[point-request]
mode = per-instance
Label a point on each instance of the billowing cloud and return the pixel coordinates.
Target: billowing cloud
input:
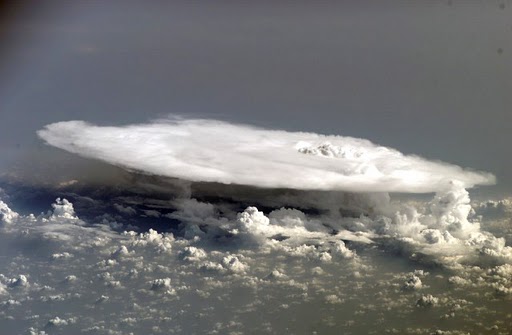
(215, 151)
(81, 270)
(333, 245)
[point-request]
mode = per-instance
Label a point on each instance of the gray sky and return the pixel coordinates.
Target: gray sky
(430, 78)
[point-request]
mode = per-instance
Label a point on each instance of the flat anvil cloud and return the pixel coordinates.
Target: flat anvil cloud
(215, 151)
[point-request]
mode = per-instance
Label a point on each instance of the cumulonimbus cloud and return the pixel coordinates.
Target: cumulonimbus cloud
(215, 151)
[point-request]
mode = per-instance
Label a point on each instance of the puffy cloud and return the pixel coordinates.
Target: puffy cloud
(58, 322)
(121, 252)
(10, 302)
(63, 209)
(276, 275)
(193, 210)
(33, 331)
(413, 282)
(192, 254)
(232, 263)
(493, 209)
(288, 217)
(341, 250)
(162, 243)
(20, 281)
(160, 284)
(459, 281)
(451, 208)
(214, 151)
(70, 279)
(7, 215)
(143, 276)
(427, 301)
(63, 255)
(434, 236)
(102, 299)
(252, 220)
(333, 299)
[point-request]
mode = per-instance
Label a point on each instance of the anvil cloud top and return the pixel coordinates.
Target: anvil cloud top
(215, 151)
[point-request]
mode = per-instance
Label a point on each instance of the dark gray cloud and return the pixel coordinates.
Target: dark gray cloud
(430, 79)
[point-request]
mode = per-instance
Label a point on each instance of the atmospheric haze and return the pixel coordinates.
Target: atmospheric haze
(255, 168)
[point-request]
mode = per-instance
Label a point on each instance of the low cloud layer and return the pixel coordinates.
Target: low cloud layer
(215, 151)
(270, 273)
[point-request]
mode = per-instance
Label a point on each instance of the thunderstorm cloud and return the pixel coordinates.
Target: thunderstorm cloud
(215, 151)
(306, 227)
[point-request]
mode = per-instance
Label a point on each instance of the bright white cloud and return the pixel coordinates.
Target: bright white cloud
(7, 215)
(214, 151)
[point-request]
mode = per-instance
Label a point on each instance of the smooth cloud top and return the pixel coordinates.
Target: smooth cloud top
(215, 151)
